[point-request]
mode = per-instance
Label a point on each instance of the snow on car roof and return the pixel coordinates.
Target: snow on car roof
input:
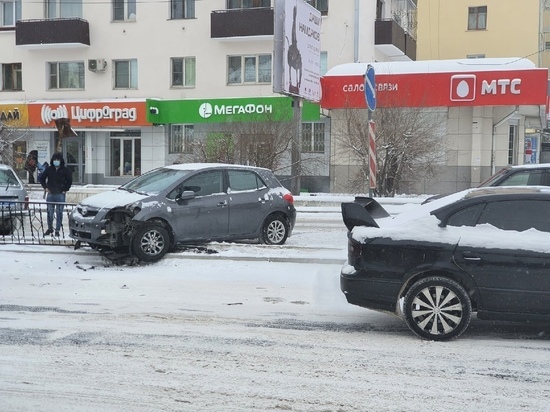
(422, 210)
(198, 166)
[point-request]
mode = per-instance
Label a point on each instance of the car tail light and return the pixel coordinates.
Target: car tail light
(26, 206)
(289, 198)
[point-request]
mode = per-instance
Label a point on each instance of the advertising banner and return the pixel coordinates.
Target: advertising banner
(445, 89)
(14, 115)
(89, 114)
(254, 109)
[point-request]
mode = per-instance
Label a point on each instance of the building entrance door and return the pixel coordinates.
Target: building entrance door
(73, 153)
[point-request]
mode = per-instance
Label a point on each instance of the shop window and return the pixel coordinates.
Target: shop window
(477, 18)
(11, 77)
(183, 71)
(313, 137)
(124, 10)
(126, 74)
(249, 69)
(63, 9)
(125, 154)
(182, 9)
(67, 75)
(512, 144)
(181, 138)
(324, 63)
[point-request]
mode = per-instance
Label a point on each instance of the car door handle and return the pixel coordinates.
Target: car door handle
(262, 200)
(471, 256)
(222, 204)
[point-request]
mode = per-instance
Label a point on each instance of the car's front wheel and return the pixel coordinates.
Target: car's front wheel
(437, 308)
(275, 230)
(150, 242)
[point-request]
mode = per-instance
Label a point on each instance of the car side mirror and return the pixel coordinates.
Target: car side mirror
(187, 195)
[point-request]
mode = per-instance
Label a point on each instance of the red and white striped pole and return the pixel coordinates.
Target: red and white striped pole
(372, 156)
(370, 97)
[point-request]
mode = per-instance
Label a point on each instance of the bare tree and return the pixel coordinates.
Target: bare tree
(262, 144)
(409, 145)
(8, 137)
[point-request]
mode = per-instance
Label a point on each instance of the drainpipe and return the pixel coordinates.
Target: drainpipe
(356, 33)
(493, 137)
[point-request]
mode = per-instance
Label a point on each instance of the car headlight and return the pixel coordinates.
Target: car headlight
(134, 208)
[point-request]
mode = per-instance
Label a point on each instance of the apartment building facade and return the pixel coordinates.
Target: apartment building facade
(133, 75)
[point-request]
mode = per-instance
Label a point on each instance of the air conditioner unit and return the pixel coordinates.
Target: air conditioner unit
(97, 65)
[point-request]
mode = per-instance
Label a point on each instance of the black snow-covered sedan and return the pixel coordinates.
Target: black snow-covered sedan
(483, 251)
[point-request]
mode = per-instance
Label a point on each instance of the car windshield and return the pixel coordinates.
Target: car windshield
(155, 181)
(493, 178)
(7, 178)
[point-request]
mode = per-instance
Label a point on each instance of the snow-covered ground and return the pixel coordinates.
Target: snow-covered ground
(249, 328)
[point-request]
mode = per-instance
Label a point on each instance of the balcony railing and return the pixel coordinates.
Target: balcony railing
(52, 33)
(241, 22)
(392, 40)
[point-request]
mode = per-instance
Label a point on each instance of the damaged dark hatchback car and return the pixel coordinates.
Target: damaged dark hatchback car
(187, 203)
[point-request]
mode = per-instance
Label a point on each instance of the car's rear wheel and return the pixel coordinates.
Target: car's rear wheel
(150, 242)
(437, 308)
(275, 230)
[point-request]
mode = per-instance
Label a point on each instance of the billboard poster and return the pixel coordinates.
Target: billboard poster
(297, 49)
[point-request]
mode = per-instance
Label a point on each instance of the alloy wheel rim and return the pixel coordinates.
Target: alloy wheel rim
(276, 231)
(152, 243)
(437, 310)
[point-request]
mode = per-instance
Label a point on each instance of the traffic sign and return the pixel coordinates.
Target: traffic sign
(370, 88)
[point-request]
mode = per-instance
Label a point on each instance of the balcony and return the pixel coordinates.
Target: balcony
(52, 33)
(392, 40)
(241, 23)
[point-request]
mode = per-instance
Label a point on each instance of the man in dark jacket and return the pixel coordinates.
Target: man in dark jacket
(56, 180)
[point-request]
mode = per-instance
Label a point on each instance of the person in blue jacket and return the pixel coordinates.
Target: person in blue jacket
(56, 181)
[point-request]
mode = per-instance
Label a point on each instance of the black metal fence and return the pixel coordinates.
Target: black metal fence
(27, 223)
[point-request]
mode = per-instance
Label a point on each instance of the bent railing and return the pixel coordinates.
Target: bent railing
(27, 223)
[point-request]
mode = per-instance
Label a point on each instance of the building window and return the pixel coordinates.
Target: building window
(10, 12)
(182, 9)
(69, 75)
(125, 157)
(183, 71)
(512, 144)
(321, 5)
(181, 138)
(313, 137)
(247, 4)
(124, 10)
(11, 77)
(126, 74)
(63, 8)
(477, 18)
(324, 63)
(249, 69)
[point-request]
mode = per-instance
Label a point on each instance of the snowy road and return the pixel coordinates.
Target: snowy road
(240, 330)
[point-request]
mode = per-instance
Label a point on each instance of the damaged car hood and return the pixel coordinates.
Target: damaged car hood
(112, 199)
